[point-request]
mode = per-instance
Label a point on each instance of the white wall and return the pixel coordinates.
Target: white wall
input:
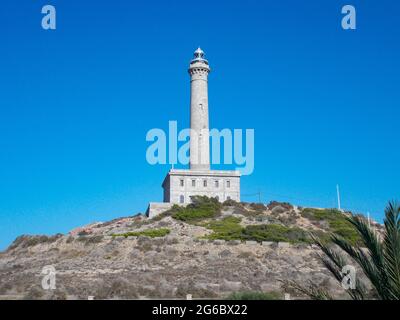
(222, 191)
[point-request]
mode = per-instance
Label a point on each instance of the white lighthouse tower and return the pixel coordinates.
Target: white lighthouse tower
(180, 185)
(199, 125)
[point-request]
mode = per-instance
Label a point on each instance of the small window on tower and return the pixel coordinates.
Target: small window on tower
(205, 183)
(181, 199)
(228, 198)
(193, 183)
(216, 183)
(182, 182)
(228, 184)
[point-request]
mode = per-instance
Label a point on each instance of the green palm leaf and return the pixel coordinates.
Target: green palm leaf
(335, 263)
(392, 248)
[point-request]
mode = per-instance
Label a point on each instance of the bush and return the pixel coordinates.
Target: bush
(274, 232)
(229, 228)
(255, 295)
(288, 219)
(337, 223)
(287, 206)
(321, 214)
(201, 208)
(28, 241)
(257, 206)
(151, 233)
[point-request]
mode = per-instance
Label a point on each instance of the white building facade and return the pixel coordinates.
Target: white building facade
(180, 185)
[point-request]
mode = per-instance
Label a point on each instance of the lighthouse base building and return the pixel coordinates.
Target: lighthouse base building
(199, 180)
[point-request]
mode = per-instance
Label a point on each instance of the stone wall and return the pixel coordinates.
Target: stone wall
(155, 208)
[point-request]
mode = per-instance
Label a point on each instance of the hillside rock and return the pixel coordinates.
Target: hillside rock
(89, 261)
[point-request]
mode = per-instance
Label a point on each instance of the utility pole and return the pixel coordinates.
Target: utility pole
(369, 220)
(338, 197)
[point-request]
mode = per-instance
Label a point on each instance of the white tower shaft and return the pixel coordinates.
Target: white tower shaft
(199, 124)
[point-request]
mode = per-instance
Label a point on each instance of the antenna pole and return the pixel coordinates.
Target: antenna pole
(338, 197)
(369, 220)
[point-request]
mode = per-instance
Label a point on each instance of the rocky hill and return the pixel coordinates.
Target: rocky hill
(207, 250)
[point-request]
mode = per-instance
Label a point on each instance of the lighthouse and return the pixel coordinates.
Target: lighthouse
(180, 185)
(199, 124)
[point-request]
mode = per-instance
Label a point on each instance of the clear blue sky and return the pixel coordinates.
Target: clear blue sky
(77, 102)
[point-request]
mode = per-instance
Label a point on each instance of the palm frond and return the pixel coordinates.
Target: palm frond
(335, 263)
(375, 275)
(379, 260)
(373, 245)
(312, 290)
(391, 242)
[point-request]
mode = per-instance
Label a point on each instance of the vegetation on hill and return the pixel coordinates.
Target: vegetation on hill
(229, 228)
(275, 232)
(378, 257)
(204, 211)
(337, 222)
(281, 226)
(25, 241)
(151, 233)
(201, 208)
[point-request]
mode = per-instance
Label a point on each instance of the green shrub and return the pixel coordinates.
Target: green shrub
(344, 229)
(337, 223)
(151, 233)
(224, 225)
(255, 295)
(229, 228)
(321, 214)
(201, 208)
(274, 232)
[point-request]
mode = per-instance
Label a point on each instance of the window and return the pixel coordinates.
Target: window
(228, 198)
(205, 183)
(228, 184)
(181, 199)
(216, 183)
(182, 183)
(193, 183)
